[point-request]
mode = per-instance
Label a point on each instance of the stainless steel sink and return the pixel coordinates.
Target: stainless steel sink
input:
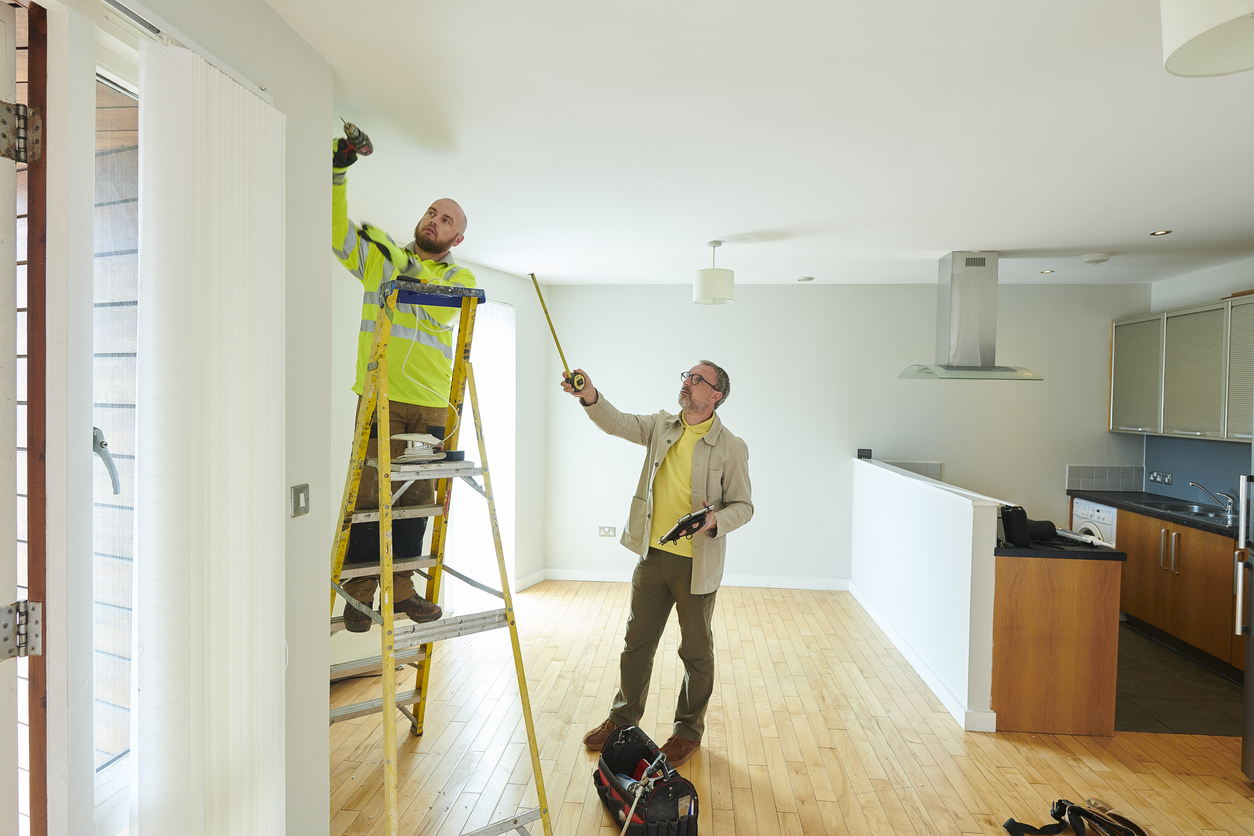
(1190, 509)
(1184, 507)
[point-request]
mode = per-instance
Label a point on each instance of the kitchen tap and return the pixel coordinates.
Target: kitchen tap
(1231, 503)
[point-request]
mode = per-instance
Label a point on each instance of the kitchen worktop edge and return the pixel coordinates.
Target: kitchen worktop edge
(1134, 501)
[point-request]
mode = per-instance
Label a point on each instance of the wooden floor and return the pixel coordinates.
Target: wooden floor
(817, 726)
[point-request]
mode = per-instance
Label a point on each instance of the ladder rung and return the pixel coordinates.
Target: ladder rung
(362, 709)
(506, 825)
(450, 628)
(362, 570)
(422, 471)
(373, 664)
(399, 512)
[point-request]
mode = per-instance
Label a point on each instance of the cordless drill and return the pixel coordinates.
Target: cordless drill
(355, 143)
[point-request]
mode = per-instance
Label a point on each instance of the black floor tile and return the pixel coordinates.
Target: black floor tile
(1159, 691)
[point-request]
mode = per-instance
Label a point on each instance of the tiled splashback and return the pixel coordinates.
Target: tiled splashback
(1083, 477)
(931, 470)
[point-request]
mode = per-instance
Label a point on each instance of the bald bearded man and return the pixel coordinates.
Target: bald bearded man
(420, 369)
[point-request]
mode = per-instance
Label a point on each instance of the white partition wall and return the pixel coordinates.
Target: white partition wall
(209, 711)
(923, 569)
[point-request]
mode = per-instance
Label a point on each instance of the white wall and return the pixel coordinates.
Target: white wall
(1203, 286)
(814, 377)
(250, 36)
(930, 584)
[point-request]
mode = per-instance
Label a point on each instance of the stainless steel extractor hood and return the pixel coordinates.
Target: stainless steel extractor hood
(966, 323)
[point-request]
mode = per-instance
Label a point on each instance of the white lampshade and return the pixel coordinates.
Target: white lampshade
(714, 286)
(1208, 37)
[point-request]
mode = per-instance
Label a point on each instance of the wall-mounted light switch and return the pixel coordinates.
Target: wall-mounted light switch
(300, 500)
(606, 531)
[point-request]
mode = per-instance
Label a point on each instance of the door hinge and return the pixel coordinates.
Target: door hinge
(22, 629)
(21, 132)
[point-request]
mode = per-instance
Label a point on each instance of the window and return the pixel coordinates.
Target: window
(116, 269)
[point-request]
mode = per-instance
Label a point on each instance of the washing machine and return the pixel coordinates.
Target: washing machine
(1094, 519)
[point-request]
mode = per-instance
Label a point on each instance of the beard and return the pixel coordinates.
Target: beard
(429, 245)
(689, 404)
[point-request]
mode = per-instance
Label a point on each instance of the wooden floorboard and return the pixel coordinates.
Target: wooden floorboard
(817, 726)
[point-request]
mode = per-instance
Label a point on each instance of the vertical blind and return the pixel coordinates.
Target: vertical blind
(208, 730)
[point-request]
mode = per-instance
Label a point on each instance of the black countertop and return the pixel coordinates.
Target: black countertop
(1134, 501)
(1062, 548)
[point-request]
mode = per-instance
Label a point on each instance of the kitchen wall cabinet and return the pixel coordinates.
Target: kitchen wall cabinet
(1194, 361)
(1136, 375)
(1185, 372)
(1178, 579)
(1240, 400)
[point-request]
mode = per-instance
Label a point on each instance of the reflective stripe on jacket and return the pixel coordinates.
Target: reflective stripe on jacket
(720, 476)
(420, 353)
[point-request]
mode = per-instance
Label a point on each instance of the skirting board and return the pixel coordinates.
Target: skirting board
(624, 576)
(980, 721)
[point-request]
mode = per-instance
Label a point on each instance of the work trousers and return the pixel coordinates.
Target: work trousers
(407, 535)
(663, 580)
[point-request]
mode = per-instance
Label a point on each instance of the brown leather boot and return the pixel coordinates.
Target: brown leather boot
(596, 738)
(419, 609)
(678, 750)
(356, 621)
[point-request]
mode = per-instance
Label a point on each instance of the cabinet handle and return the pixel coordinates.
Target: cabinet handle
(1162, 546)
(1138, 429)
(1174, 536)
(1242, 435)
(1183, 432)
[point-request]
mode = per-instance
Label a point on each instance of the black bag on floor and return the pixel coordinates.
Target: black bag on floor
(668, 804)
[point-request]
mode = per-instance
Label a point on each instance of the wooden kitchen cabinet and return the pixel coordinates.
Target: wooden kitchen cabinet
(1178, 579)
(1143, 592)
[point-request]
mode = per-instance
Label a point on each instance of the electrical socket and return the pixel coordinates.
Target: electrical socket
(1166, 478)
(606, 531)
(1160, 477)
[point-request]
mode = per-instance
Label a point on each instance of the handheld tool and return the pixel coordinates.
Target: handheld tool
(577, 381)
(685, 526)
(357, 139)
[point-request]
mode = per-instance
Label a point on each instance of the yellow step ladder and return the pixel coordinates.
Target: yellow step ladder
(414, 644)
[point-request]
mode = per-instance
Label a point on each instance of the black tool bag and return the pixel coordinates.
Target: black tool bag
(1092, 820)
(667, 808)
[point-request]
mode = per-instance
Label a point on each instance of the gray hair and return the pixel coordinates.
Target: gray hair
(724, 382)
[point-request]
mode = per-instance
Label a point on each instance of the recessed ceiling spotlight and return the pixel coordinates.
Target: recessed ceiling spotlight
(1047, 271)
(805, 278)
(1161, 232)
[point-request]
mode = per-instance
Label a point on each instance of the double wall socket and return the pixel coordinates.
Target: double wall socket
(605, 531)
(1160, 477)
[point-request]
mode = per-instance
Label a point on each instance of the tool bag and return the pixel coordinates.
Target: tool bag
(668, 806)
(1096, 819)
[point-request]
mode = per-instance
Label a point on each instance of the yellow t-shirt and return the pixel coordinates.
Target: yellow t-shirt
(672, 488)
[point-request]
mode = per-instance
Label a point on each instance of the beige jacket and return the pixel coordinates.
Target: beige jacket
(720, 476)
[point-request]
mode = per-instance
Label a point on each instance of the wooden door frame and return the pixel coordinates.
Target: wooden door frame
(36, 418)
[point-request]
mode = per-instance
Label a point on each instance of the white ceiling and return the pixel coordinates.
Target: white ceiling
(598, 142)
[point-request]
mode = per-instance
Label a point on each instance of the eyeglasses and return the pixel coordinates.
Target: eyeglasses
(696, 379)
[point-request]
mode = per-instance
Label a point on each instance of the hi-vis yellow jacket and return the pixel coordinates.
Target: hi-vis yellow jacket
(420, 353)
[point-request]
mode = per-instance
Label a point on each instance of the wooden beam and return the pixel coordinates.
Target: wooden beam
(36, 419)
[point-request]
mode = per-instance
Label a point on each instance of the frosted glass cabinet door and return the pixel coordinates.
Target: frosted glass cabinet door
(1136, 375)
(1193, 372)
(1240, 406)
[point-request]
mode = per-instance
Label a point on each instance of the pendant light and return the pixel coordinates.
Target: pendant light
(1207, 37)
(715, 285)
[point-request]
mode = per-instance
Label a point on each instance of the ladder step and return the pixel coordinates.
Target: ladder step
(363, 709)
(373, 664)
(449, 628)
(399, 512)
(422, 471)
(362, 570)
(506, 825)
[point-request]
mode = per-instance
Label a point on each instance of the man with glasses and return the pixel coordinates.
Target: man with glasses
(692, 463)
